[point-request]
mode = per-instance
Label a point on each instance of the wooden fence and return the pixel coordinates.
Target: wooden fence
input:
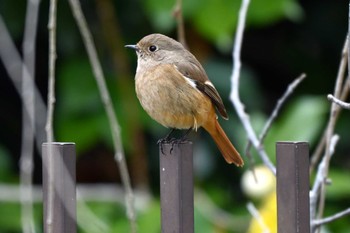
(176, 187)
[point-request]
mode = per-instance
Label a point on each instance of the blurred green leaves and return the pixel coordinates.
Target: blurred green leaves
(216, 19)
(302, 120)
(340, 188)
(80, 114)
(6, 173)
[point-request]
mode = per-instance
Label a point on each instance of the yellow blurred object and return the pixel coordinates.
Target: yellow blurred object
(262, 190)
(268, 214)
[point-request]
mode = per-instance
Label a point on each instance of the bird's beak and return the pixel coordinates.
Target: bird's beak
(131, 46)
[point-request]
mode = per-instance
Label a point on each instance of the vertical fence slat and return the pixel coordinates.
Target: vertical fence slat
(293, 206)
(176, 187)
(59, 195)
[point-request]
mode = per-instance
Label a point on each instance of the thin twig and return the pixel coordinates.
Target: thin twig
(177, 12)
(257, 216)
(28, 117)
(331, 125)
(13, 64)
(319, 179)
(320, 147)
(219, 217)
(234, 95)
(319, 222)
(50, 109)
(101, 192)
(15, 68)
(272, 117)
(88, 220)
(119, 152)
(338, 101)
(336, 110)
(280, 102)
(52, 68)
(290, 89)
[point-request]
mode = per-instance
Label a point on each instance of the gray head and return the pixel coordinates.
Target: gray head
(155, 49)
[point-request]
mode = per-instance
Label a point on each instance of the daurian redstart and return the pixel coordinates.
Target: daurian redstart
(174, 90)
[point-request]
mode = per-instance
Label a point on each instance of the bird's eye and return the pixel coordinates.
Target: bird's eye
(152, 48)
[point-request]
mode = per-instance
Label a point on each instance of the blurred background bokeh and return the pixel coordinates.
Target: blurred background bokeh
(283, 39)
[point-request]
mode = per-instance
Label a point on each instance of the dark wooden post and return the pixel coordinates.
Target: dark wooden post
(176, 187)
(59, 195)
(293, 205)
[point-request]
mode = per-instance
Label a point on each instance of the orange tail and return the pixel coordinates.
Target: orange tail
(226, 148)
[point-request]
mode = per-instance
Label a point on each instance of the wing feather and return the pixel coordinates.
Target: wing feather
(195, 72)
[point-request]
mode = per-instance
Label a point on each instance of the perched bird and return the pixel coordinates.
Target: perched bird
(174, 90)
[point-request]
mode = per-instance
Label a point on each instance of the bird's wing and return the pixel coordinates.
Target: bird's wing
(196, 73)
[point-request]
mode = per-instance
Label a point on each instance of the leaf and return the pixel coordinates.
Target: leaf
(301, 121)
(79, 115)
(6, 173)
(339, 188)
(216, 20)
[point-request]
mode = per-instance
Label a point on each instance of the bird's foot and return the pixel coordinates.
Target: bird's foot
(166, 139)
(173, 141)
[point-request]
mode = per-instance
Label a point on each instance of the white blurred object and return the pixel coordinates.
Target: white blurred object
(260, 187)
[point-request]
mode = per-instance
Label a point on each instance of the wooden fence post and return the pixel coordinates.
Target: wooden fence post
(176, 187)
(59, 195)
(293, 205)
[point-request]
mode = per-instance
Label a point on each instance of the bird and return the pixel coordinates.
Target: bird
(174, 89)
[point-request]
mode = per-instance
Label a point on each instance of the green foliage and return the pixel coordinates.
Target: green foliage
(114, 220)
(302, 120)
(10, 220)
(216, 19)
(201, 223)
(80, 115)
(339, 188)
(262, 13)
(6, 173)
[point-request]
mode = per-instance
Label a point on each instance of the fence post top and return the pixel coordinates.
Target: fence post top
(292, 142)
(59, 143)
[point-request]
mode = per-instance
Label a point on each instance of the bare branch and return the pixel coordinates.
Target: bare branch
(272, 117)
(28, 117)
(234, 95)
(110, 193)
(177, 12)
(112, 118)
(52, 67)
(320, 178)
(320, 147)
(219, 217)
(17, 70)
(338, 101)
(331, 125)
(280, 102)
(50, 108)
(319, 222)
(14, 67)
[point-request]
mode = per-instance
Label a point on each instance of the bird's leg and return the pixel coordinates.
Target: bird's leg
(182, 139)
(166, 139)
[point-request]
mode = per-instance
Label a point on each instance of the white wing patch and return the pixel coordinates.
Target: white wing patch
(189, 80)
(209, 83)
